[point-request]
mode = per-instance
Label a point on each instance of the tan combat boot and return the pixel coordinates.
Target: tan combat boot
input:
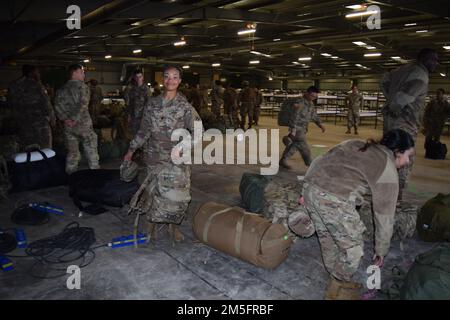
(343, 290)
(152, 231)
(348, 131)
(175, 233)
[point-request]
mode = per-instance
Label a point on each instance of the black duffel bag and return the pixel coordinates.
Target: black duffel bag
(32, 175)
(101, 187)
(435, 150)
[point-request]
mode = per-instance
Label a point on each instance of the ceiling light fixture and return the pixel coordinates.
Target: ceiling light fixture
(216, 65)
(360, 43)
(179, 43)
(334, 57)
(295, 62)
(446, 47)
(396, 58)
(360, 14)
(421, 31)
(410, 24)
(270, 78)
(377, 54)
(246, 31)
(326, 54)
(370, 48)
(186, 67)
(254, 61)
(137, 51)
(304, 59)
(260, 54)
(355, 6)
(86, 60)
(277, 39)
(108, 56)
(442, 74)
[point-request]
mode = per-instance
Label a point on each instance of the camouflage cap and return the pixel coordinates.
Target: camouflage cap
(128, 171)
(301, 224)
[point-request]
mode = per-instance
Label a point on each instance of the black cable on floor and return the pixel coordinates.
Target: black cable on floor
(54, 254)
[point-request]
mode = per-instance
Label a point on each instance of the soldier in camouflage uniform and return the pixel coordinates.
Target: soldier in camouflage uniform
(335, 184)
(405, 90)
(136, 96)
(230, 105)
(354, 102)
(246, 102)
(95, 100)
(171, 195)
(217, 98)
(258, 102)
(32, 109)
(71, 104)
(298, 127)
(436, 113)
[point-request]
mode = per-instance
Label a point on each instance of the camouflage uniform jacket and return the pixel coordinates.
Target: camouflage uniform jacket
(30, 101)
(305, 113)
(349, 174)
(136, 98)
(405, 90)
(230, 98)
(217, 95)
(436, 113)
(96, 96)
(354, 101)
(72, 103)
(158, 123)
(247, 95)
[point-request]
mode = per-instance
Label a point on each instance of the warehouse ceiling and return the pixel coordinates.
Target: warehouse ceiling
(285, 31)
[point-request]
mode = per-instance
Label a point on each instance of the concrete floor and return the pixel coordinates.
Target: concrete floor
(192, 270)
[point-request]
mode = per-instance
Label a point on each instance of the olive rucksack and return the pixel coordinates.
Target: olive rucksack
(433, 220)
(429, 276)
(286, 112)
(252, 188)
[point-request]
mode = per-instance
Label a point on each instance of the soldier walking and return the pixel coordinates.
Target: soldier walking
(354, 102)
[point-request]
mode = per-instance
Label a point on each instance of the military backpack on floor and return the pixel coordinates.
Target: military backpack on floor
(286, 112)
(433, 220)
(429, 276)
(251, 189)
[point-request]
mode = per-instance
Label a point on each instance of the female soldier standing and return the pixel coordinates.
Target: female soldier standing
(171, 194)
(335, 183)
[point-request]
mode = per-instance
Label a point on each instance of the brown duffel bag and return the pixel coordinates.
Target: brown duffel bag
(244, 235)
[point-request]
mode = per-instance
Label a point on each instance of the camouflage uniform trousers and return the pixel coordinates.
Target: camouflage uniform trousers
(340, 231)
(352, 118)
(215, 108)
(256, 113)
(232, 114)
(171, 196)
(247, 109)
(390, 123)
(88, 138)
(299, 144)
(38, 133)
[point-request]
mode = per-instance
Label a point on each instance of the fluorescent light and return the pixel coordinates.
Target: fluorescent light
(149, 84)
(277, 39)
(295, 62)
(372, 54)
(270, 78)
(136, 23)
(304, 58)
(108, 56)
(260, 54)
(137, 51)
(334, 57)
(179, 43)
(421, 31)
(186, 67)
(326, 54)
(254, 61)
(360, 14)
(86, 60)
(442, 74)
(361, 66)
(355, 6)
(446, 47)
(216, 65)
(360, 43)
(396, 58)
(410, 24)
(370, 48)
(246, 31)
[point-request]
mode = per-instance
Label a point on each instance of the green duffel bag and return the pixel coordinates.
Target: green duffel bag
(251, 189)
(429, 276)
(286, 112)
(433, 220)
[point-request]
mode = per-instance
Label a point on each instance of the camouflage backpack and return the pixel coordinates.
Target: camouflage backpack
(286, 112)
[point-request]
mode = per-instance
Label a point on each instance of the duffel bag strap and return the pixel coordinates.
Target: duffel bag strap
(209, 221)
(237, 239)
